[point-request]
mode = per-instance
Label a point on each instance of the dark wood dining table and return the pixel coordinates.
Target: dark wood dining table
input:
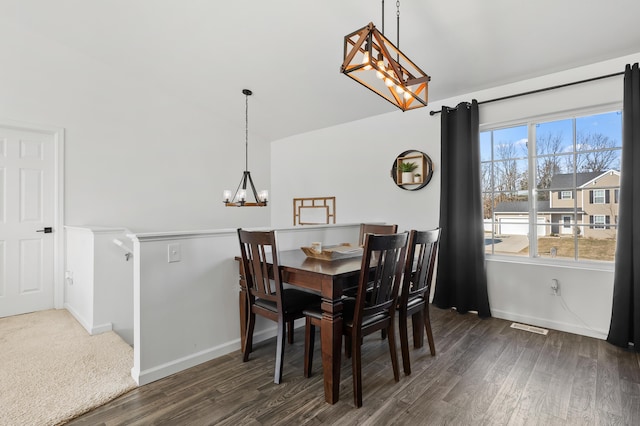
(328, 278)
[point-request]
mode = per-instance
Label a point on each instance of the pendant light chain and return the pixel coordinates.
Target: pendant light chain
(246, 132)
(382, 17)
(398, 24)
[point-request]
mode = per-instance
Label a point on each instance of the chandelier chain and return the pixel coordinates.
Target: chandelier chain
(382, 17)
(246, 132)
(398, 23)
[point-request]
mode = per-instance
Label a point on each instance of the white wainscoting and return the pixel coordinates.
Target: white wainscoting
(186, 312)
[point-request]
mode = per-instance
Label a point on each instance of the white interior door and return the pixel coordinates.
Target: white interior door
(27, 214)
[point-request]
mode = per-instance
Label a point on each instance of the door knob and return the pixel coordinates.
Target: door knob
(46, 230)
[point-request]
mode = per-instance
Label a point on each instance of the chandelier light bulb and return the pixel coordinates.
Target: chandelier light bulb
(388, 82)
(241, 195)
(381, 68)
(407, 95)
(365, 60)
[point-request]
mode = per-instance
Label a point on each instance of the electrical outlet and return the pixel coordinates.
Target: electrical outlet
(68, 276)
(174, 253)
(555, 287)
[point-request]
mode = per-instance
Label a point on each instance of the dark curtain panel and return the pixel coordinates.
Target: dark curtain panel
(625, 315)
(462, 277)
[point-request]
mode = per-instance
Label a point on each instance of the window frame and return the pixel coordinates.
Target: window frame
(531, 122)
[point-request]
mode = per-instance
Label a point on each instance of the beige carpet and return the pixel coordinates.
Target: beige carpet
(52, 370)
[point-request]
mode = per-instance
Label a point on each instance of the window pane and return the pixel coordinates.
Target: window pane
(510, 225)
(509, 244)
(598, 139)
(554, 137)
(557, 246)
(486, 177)
(510, 143)
(510, 176)
(600, 248)
(608, 124)
(485, 146)
(487, 206)
(555, 171)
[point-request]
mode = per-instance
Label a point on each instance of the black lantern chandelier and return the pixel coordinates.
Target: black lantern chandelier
(379, 65)
(240, 197)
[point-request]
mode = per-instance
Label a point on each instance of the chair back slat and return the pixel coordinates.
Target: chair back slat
(263, 280)
(422, 251)
(380, 275)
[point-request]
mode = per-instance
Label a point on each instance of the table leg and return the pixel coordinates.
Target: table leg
(331, 336)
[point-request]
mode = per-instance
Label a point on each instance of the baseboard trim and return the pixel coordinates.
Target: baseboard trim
(87, 325)
(151, 374)
(554, 325)
(98, 329)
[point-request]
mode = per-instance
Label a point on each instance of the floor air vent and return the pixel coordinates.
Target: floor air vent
(529, 328)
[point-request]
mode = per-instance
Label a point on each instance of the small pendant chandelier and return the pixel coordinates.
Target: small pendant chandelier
(379, 65)
(240, 197)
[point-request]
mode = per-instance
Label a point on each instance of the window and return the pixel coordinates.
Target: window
(550, 188)
(598, 221)
(598, 196)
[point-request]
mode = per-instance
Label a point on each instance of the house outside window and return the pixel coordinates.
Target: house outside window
(549, 186)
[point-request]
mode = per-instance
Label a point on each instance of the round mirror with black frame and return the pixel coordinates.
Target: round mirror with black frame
(412, 170)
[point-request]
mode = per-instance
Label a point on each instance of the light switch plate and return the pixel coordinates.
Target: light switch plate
(174, 252)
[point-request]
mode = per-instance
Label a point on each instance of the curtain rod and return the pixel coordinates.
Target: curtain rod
(539, 90)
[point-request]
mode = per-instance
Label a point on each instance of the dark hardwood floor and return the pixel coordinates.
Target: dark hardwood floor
(484, 373)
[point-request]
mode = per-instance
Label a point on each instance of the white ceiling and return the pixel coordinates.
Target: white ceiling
(289, 51)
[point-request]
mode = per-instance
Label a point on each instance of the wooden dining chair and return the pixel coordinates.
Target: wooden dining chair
(375, 228)
(371, 228)
(413, 300)
(265, 294)
(372, 309)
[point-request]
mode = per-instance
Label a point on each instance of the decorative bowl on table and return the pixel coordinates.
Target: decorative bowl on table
(340, 251)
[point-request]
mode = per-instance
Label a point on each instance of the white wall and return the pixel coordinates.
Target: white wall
(136, 156)
(321, 163)
(78, 286)
(353, 163)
